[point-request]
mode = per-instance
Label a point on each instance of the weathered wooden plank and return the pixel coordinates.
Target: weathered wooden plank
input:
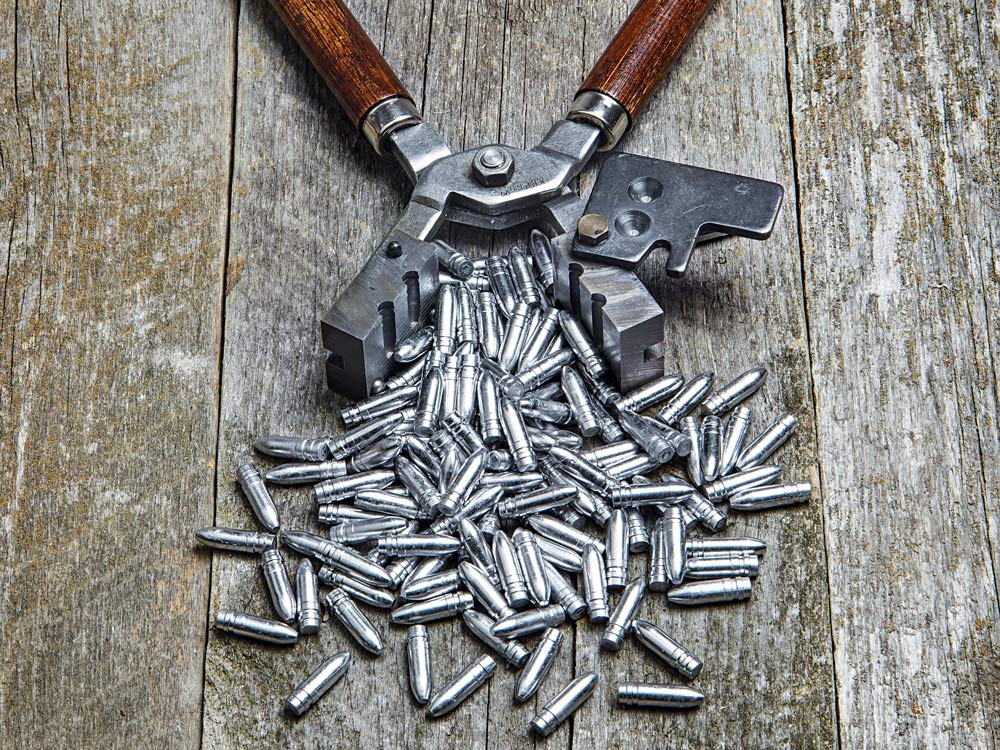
(768, 675)
(114, 148)
(896, 142)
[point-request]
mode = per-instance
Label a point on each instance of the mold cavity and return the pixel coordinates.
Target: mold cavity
(412, 281)
(632, 223)
(575, 272)
(645, 189)
(337, 361)
(388, 313)
(597, 303)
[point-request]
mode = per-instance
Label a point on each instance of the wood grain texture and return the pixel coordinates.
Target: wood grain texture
(639, 55)
(343, 53)
(897, 144)
(114, 152)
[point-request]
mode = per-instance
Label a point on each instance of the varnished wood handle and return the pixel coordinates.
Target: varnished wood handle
(643, 49)
(342, 52)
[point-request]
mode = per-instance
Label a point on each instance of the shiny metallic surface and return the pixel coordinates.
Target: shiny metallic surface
(344, 488)
(429, 403)
(489, 410)
(502, 284)
(278, 585)
(357, 589)
(652, 393)
(306, 473)
(541, 253)
(530, 621)
(674, 538)
(565, 593)
(413, 346)
(595, 588)
(559, 556)
(517, 436)
(707, 514)
(715, 591)
(455, 262)
(419, 545)
(510, 650)
(342, 608)
(668, 490)
(582, 345)
(538, 342)
(259, 498)
(544, 369)
(711, 447)
(336, 556)
(564, 534)
(429, 587)
(621, 619)
(564, 704)
(429, 610)
(649, 438)
(418, 662)
(536, 501)
(509, 566)
(725, 487)
(732, 442)
(638, 535)
(490, 327)
(386, 117)
(617, 549)
(464, 684)
(644, 695)
(389, 503)
(605, 112)
(317, 684)
(354, 440)
(687, 399)
(538, 665)
(717, 545)
(731, 394)
(658, 580)
(524, 278)
(307, 598)
(689, 426)
(477, 548)
(666, 648)
(235, 540)
(772, 438)
(388, 402)
(483, 590)
(771, 496)
(508, 386)
(368, 530)
(257, 628)
(517, 331)
(590, 473)
(731, 565)
(529, 556)
(297, 448)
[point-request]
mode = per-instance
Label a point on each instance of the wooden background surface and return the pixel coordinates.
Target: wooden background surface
(181, 198)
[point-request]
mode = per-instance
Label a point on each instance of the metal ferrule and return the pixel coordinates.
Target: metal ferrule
(489, 410)
(297, 448)
(536, 501)
(385, 118)
(732, 442)
(645, 695)
(595, 586)
(538, 343)
(565, 593)
(733, 393)
(564, 534)
(711, 447)
(530, 621)
(545, 369)
(603, 112)
(336, 556)
(477, 548)
(490, 327)
(715, 591)
(436, 608)
(464, 684)
(617, 547)
(317, 684)
(352, 441)
(725, 487)
(257, 628)
(235, 540)
(259, 498)
(419, 545)
(765, 444)
(429, 403)
(771, 496)
(564, 704)
(674, 537)
(668, 490)
(432, 586)
(343, 608)
(509, 566)
(541, 252)
(666, 648)
(511, 651)
(687, 399)
(418, 662)
(368, 530)
(278, 585)
(502, 284)
(652, 393)
(307, 598)
(722, 545)
(357, 589)
(658, 580)
(690, 428)
(517, 436)
(529, 556)
(621, 619)
(638, 536)
(559, 556)
(381, 405)
(483, 590)
(463, 483)
(382, 501)
(730, 565)
(538, 665)
(581, 343)
(708, 515)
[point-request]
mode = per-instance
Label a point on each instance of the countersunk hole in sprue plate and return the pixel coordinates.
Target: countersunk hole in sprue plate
(632, 223)
(645, 189)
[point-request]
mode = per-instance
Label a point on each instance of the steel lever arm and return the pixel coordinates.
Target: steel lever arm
(623, 79)
(367, 88)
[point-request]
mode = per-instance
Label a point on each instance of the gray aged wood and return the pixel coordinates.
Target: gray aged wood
(896, 143)
(114, 152)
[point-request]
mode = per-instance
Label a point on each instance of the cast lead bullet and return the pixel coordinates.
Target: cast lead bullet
(595, 589)
(690, 396)
(509, 567)
(541, 252)
(689, 427)
(530, 558)
(381, 405)
(538, 342)
(707, 514)
(483, 590)
(561, 557)
(644, 695)
(345, 488)
(564, 534)
(717, 545)
(732, 442)
(419, 545)
(418, 662)
(463, 483)
(468, 320)
(431, 586)
(298, 448)
(360, 437)
(446, 320)
(580, 403)
(654, 442)
(617, 549)
(389, 503)
(259, 498)
(621, 619)
(502, 284)
(489, 410)
(257, 628)
(726, 487)
(429, 403)
(723, 565)
(771, 496)
(429, 610)
(674, 536)
(711, 447)
(564, 704)
(307, 598)
(538, 665)
(464, 684)
(638, 535)
(457, 263)
(587, 503)
(415, 345)
(368, 530)
(490, 328)
(565, 593)
(477, 548)
(536, 501)
(658, 580)
(592, 474)
(278, 585)
(543, 370)
(776, 434)
(336, 556)
(738, 390)
(513, 343)
(668, 490)
(331, 515)
(317, 684)
(654, 392)
(666, 648)
(517, 437)
(530, 621)
(524, 279)
(344, 610)
(511, 651)
(409, 375)
(357, 589)
(711, 592)
(305, 473)
(582, 345)
(235, 540)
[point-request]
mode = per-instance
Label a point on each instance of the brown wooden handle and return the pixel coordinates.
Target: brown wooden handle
(342, 52)
(643, 49)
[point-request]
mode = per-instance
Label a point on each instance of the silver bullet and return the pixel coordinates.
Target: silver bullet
(336, 556)
(530, 621)
(489, 525)
(389, 503)
(536, 501)
(477, 548)
(611, 431)
(644, 695)
(278, 585)
(732, 443)
(707, 514)
(463, 433)
(726, 487)
(436, 608)
(652, 393)
(771, 496)
(632, 467)
(502, 284)
(345, 488)
(513, 482)
(668, 490)
(481, 501)
(565, 593)
(638, 536)
(307, 598)
(559, 556)
(450, 372)
(317, 684)
(658, 580)
(417, 483)
(378, 455)
(235, 540)
(418, 662)
(680, 442)
(517, 437)
(399, 569)
(463, 483)
(431, 586)
(538, 665)
(343, 608)
(259, 498)
(490, 327)
(409, 375)
(468, 317)
(357, 589)
(591, 505)
(298, 448)
(541, 252)
(368, 530)
(529, 556)
(776, 434)
(595, 589)
(305, 473)
(511, 651)
(421, 454)
(360, 437)
(649, 438)
(538, 343)
(617, 549)
(564, 534)
(543, 410)
(455, 262)
(723, 565)
(604, 454)
(551, 390)
(592, 474)
(621, 619)
(545, 440)
(333, 514)
(257, 628)
(415, 345)
(446, 320)
(508, 385)
(568, 514)
(733, 393)
(711, 592)
(717, 545)
(483, 590)
(429, 403)
(711, 447)
(419, 545)
(564, 704)
(604, 390)
(517, 329)
(489, 410)
(509, 567)
(524, 279)
(690, 428)
(666, 648)
(384, 404)
(464, 684)
(544, 369)
(675, 535)
(580, 403)
(582, 345)
(689, 397)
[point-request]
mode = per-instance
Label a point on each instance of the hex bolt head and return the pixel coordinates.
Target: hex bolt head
(493, 166)
(592, 229)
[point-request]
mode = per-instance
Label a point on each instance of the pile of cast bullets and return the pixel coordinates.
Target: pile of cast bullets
(463, 488)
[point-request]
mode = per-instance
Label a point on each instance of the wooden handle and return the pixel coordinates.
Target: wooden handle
(341, 51)
(643, 49)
